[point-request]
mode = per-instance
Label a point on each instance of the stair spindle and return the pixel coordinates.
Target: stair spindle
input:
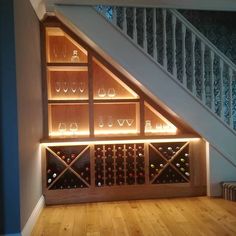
(145, 30)
(124, 20)
(212, 58)
(114, 16)
(155, 55)
(221, 89)
(203, 49)
(193, 41)
(134, 25)
(174, 45)
(230, 98)
(184, 55)
(164, 39)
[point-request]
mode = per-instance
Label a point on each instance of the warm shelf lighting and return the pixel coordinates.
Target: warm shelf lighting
(120, 141)
(163, 129)
(118, 131)
(68, 133)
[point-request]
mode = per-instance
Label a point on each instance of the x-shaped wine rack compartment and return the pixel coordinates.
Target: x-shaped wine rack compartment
(68, 167)
(169, 163)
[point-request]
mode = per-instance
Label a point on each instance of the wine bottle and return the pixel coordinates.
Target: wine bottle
(73, 156)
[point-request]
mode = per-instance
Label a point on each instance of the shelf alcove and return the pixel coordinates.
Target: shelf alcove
(104, 138)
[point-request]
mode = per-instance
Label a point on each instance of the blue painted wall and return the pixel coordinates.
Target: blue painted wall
(9, 163)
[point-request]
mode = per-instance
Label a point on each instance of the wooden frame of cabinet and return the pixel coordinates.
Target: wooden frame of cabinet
(60, 103)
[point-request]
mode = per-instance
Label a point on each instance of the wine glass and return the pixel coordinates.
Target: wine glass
(110, 121)
(62, 127)
(64, 51)
(100, 122)
(73, 87)
(55, 54)
(111, 92)
(101, 92)
(129, 122)
(81, 87)
(65, 87)
(73, 127)
(75, 57)
(121, 122)
(58, 87)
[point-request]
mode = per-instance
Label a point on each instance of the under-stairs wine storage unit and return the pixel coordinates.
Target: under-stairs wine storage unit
(104, 138)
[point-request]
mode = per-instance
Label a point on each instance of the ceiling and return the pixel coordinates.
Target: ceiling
(43, 6)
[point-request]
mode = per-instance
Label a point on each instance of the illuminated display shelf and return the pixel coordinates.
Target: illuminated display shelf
(86, 96)
(103, 134)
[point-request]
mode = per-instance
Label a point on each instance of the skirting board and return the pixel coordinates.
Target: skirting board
(33, 217)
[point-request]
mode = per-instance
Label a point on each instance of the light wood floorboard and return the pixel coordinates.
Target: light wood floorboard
(179, 216)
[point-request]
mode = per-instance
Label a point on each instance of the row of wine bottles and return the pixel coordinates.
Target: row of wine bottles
(117, 164)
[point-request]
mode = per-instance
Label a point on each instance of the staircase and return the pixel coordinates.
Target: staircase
(171, 61)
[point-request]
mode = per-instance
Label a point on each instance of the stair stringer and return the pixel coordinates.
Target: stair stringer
(149, 76)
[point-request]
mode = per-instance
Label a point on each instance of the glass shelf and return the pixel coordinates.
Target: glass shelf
(155, 123)
(68, 120)
(67, 83)
(61, 48)
(106, 85)
(116, 119)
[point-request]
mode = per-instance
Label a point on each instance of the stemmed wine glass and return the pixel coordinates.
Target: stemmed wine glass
(65, 87)
(73, 87)
(62, 127)
(110, 121)
(121, 122)
(129, 122)
(58, 87)
(73, 128)
(64, 52)
(100, 122)
(101, 92)
(81, 87)
(111, 92)
(55, 54)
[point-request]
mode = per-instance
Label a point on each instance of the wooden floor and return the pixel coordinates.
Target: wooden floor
(182, 216)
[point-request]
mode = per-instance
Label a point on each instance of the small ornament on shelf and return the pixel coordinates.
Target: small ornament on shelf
(148, 126)
(75, 57)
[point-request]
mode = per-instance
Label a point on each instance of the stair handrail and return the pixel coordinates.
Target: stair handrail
(203, 38)
(224, 66)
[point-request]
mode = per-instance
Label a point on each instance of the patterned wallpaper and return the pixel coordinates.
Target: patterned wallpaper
(218, 27)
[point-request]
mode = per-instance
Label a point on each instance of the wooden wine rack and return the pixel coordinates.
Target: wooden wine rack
(90, 170)
(124, 144)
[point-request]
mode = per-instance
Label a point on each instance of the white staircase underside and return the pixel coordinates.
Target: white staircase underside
(141, 69)
(43, 6)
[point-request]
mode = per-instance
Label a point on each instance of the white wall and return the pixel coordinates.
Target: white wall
(29, 105)
(218, 169)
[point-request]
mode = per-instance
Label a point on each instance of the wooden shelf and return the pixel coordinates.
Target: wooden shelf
(114, 100)
(118, 138)
(69, 101)
(66, 64)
